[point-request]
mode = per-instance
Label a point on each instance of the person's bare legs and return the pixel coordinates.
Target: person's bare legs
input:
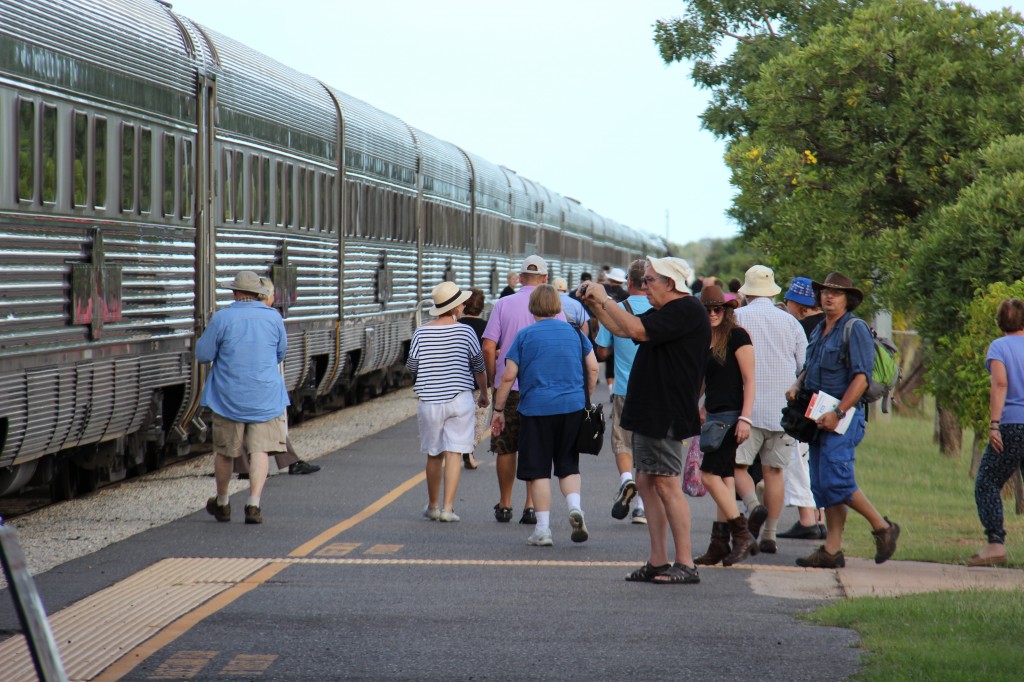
(723, 492)
(540, 491)
(657, 521)
(506, 466)
(808, 516)
(222, 470)
(452, 472)
(435, 465)
(677, 513)
(568, 484)
(624, 462)
(774, 491)
(259, 465)
(862, 505)
(744, 483)
(835, 520)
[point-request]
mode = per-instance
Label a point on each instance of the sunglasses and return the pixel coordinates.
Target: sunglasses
(650, 280)
(716, 309)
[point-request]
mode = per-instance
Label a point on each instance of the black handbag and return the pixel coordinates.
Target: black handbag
(590, 436)
(794, 423)
(715, 428)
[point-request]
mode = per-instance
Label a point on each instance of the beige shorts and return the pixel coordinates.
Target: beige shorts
(231, 438)
(775, 448)
(622, 439)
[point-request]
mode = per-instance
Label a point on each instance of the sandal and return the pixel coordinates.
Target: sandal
(646, 573)
(678, 575)
(467, 462)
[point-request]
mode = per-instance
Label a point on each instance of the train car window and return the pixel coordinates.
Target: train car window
(279, 192)
(168, 165)
(226, 205)
(80, 144)
(330, 217)
(127, 167)
(310, 199)
(289, 192)
(237, 191)
(364, 224)
(320, 221)
(301, 217)
(146, 170)
(49, 154)
(187, 177)
(265, 190)
(352, 192)
(254, 189)
(26, 150)
(99, 162)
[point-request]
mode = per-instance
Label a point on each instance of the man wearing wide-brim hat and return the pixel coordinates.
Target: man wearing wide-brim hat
(246, 342)
(843, 374)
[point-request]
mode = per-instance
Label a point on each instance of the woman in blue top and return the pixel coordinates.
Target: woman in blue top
(547, 357)
(1005, 451)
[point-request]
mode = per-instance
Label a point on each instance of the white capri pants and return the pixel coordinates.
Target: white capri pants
(796, 477)
(448, 427)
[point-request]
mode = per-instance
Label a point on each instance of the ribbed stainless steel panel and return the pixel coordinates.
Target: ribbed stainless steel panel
(363, 259)
(524, 204)
(137, 38)
(377, 144)
(260, 97)
(436, 264)
(444, 169)
(491, 187)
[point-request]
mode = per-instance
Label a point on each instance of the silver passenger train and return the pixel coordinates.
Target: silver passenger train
(145, 159)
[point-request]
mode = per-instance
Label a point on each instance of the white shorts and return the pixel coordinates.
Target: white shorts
(448, 427)
(796, 478)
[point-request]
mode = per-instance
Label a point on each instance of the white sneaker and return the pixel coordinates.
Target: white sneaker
(448, 516)
(579, 526)
(639, 516)
(540, 538)
(432, 513)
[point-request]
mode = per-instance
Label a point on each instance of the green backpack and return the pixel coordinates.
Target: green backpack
(886, 372)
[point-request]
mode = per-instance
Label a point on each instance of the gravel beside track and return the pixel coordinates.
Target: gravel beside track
(69, 530)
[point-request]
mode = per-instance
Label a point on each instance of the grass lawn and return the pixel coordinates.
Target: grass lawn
(902, 472)
(947, 636)
(938, 636)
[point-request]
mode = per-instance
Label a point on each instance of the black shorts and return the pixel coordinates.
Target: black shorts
(722, 462)
(548, 441)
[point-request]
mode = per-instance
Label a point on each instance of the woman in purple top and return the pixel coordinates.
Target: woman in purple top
(1005, 452)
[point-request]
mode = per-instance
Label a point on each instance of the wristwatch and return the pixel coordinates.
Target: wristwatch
(841, 413)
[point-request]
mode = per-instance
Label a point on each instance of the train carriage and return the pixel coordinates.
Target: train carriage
(146, 159)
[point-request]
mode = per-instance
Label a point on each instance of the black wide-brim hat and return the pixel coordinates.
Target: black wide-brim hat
(837, 280)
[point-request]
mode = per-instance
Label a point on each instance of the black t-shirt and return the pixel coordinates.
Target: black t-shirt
(664, 384)
(478, 324)
(723, 383)
(507, 291)
(810, 322)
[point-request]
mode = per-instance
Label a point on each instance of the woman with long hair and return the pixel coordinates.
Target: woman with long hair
(728, 398)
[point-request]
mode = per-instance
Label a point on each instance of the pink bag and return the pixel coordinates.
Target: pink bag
(692, 483)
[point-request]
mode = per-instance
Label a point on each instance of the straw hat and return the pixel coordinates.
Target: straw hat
(447, 295)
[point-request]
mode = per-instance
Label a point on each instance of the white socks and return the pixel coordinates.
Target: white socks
(543, 520)
(222, 500)
(573, 500)
(253, 502)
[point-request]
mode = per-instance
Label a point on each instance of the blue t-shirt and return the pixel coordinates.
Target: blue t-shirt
(1009, 350)
(624, 349)
(826, 370)
(550, 362)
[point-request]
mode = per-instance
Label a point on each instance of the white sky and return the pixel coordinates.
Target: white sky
(570, 93)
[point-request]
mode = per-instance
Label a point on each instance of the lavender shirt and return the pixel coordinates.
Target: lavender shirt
(509, 315)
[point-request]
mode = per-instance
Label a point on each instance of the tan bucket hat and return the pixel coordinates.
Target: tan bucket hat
(447, 295)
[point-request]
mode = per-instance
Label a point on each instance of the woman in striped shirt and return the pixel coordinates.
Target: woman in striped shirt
(446, 359)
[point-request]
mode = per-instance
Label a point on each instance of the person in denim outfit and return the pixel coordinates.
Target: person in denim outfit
(843, 374)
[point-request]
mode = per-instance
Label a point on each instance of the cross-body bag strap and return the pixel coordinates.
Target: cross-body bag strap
(583, 362)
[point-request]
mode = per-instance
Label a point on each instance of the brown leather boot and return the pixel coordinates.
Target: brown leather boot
(719, 547)
(742, 541)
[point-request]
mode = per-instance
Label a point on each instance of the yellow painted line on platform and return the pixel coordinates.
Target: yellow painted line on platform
(308, 548)
(168, 634)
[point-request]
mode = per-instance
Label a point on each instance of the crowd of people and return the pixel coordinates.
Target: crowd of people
(679, 352)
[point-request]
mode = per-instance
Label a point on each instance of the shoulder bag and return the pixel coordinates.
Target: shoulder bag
(590, 436)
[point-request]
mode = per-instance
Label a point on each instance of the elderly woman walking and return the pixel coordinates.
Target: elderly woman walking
(1005, 452)
(548, 358)
(446, 359)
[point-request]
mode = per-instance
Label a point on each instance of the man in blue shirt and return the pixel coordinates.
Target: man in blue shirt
(245, 342)
(842, 373)
(623, 351)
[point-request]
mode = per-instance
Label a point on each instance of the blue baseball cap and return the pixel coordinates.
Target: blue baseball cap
(801, 291)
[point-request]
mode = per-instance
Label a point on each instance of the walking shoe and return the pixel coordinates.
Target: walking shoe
(579, 526)
(757, 517)
(822, 559)
(799, 532)
(253, 514)
(529, 517)
(502, 514)
(885, 541)
(221, 512)
(639, 516)
(540, 538)
(627, 491)
(432, 513)
(302, 467)
(768, 546)
(448, 516)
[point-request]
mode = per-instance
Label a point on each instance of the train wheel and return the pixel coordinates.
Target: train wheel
(88, 480)
(64, 484)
